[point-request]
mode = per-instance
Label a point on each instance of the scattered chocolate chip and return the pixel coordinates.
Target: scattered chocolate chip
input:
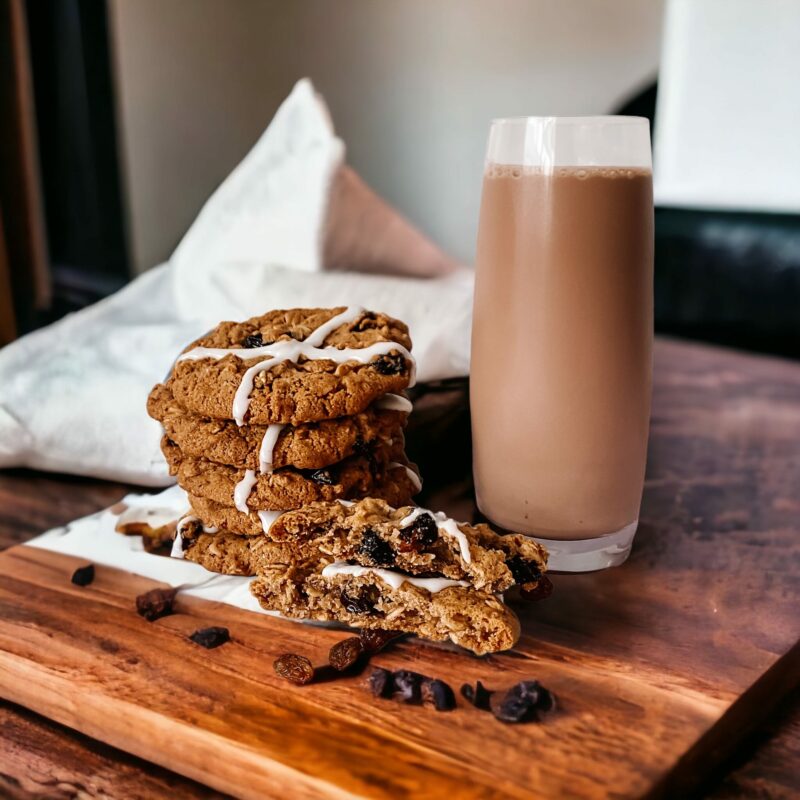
(390, 364)
(381, 682)
(253, 340)
(210, 637)
(156, 603)
(541, 591)
(345, 654)
(322, 476)
(421, 533)
(360, 603)
(374, 640)
(408, 686)
(438, 694)
(523, 571)
(83, 576)
(378, 551)
(478, 695)
(294, 668)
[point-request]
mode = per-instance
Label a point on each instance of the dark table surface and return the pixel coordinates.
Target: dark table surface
(40, 759)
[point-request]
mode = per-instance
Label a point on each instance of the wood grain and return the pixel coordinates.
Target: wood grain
(645, 662)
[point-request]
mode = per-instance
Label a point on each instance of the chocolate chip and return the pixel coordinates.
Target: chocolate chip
(540, 591)
(83, 576)
(479, 696)
(358, 603)
(156, 603)
(375, 550)
(253, 340)
(294, 668)
(345, 654)
(523, 571)
(323, 477)
(421, 533)
(438, 694)
(390, 364)
(374, 640)
(381, 682)
(210, 637)
(408, 686)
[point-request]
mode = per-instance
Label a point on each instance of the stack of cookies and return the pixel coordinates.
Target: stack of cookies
(286, 432)
(285, 409)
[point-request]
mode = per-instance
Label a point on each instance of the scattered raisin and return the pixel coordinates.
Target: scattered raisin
(294, 668)
(542, 699)
(360, 603)
(83, 576)
(374, 640)
(322, 476)
(376, 550)
(479, 696)
(512, 707)
(408, 686)
(156, 603)
(210, 637)
(523, 571)
(541, 591)
(381, 682)
(421, 533)
(253, 340)
(438, 694)
(345, 654)
(390, 364)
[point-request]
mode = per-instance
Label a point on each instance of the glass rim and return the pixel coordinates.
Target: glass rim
(616, 119)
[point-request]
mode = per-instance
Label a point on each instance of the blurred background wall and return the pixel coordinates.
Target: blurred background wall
(411, 85)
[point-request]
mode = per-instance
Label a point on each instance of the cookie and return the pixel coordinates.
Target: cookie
(434, 608)
(396, 488)
(290, 367)
(307, 446)
(371, 533)
(248, 490)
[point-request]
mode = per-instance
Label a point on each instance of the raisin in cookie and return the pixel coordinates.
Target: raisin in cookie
(290, 367)
(308, 446)
(249, 490)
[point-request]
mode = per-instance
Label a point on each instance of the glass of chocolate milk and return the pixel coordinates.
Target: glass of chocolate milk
(562, 333)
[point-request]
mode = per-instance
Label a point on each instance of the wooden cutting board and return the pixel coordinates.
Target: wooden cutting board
(661, 666)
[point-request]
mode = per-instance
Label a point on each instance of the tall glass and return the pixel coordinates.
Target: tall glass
(562, 333)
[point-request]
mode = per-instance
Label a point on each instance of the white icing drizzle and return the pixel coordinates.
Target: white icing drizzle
(318, 336)
(242, 490)
(415, 479)
(394, 579)
(346, 503)
(446, 524)
(394, 402)
(177, 547)
(267, 447)
(267, 518)
(177, 542)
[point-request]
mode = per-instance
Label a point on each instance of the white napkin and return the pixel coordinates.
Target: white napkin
(72, 395)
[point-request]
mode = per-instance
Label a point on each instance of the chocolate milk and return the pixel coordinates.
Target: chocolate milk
(561, 348)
